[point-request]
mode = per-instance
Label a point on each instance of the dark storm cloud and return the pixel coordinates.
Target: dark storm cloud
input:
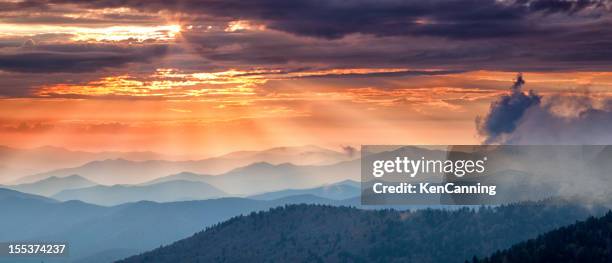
(273, 48)
(540, 125)
(568, 6)
(309, 35)
(401, 73)
(75, 57)
(32, 5)
(337, 18)
(506, 112)
(566, 50)
(521, 118)
(513, 35)
(57, 19)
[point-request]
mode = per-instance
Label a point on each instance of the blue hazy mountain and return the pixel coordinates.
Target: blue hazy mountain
(126, 171)
(176, 190)
(8, 195)
(338, 191)
(298, 155)
(184, 176)
(108, 233)
(315, 233)
(17, 162)
(265, 177)
(53, 185)
(120, 171)
(112, 232)
(27, 216)
(252, 179)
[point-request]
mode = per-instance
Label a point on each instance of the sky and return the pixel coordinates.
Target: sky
(207, 77)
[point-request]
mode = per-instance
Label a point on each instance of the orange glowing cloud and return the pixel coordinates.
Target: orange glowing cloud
(216, 112)
(163, 83)
(171, 83)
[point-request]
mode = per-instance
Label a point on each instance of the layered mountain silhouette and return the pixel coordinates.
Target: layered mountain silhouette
(315, 233)
(7, 196)
(587, 241)
(114, 223)
(125, 171)
(248, 180)
(338, 191)
(184, 176)
(53, 185)
(265, 177)
(99, 232)
(176, 190)
(302, 155)
(102, 234)
(262, 177)
(20, 162)
(179, 187)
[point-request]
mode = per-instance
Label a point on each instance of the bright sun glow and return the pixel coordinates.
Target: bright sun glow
(121, 33)
(241, 25)
(113, 33)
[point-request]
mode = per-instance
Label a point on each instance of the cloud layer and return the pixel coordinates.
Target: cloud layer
(298, 71)
(528, 118)
(75, 58)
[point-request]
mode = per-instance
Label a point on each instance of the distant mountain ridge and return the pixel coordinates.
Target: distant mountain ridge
(338, 191)
(170, 191)
(124, 171)
(262, 177)
(248, 180)
(303, 155)
(185, 176)
(53, 185)
(179, 187)
(18, 162)
(9, 195)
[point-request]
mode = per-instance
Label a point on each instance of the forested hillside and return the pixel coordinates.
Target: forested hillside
(317, 233)
(588, 241)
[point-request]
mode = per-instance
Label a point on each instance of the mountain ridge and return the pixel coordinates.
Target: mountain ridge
(321, 233)
(244, 180)
(585, 241)
(176, 190)
(338, 191)
(125, 171)
(136, 226)
(53, 185)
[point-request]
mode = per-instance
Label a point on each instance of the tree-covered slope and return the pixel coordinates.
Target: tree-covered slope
(587, 241)
(298, 233)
